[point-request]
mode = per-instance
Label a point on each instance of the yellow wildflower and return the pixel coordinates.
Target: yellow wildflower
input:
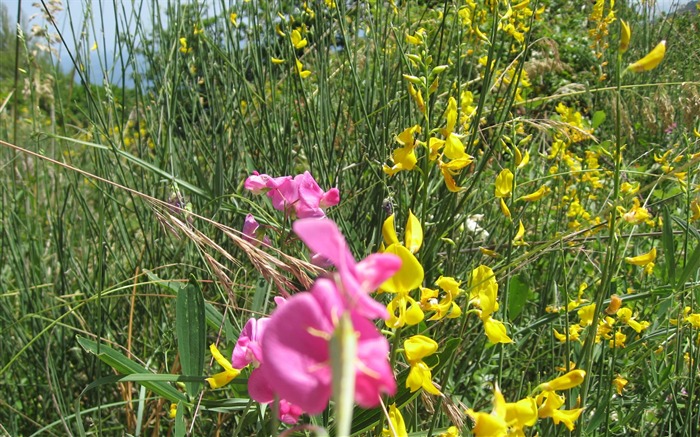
(229, 373)
(491, 424)
(643, 259)
(297, 41)
(536, 195)
(504, 183)
(619, 382)
(416, 348)
(651, 60)
(300, 69)
(397, 426)
(625, 35)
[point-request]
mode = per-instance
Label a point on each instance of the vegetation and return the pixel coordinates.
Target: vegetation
(537, 181)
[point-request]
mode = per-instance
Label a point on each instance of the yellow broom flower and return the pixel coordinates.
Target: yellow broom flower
(651, 60)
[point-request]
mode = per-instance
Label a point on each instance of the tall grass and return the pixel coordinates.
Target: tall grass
(146, 192)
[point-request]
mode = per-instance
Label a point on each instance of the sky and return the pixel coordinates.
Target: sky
(102, 28)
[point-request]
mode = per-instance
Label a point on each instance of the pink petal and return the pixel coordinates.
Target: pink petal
(359, 279)
(330, 198)
(295, 360)
(249, 227)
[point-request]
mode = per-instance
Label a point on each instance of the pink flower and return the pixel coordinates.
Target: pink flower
(288, 412)
(358, 279)
(296, 348)
(247, 349)
(301, 195)
(250, 231)
(312, 199)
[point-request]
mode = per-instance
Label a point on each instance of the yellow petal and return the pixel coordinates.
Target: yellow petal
(496, 331)
(420, 377)
(414, 233)
(569, 380)
(522, 413)
(651, 60)
(643, 259)
(418, 347)
(221, 379)
(518, 239)
(388, 231)
(223, 362)
(504, 183)
(625, 35)
(489, 252)
(536, 195)
(297, 40)
(504, 208)
(409, 276)
(398, 426)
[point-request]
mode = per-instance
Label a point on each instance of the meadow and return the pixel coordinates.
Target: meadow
(448, 218)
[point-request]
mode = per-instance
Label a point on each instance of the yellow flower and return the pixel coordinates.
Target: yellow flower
(300, 69)
(184, 48)
(452, 431)
(417, 38)
(504, 183)
(619, 382)
(297, 41)
(488, 252)
(643, 259)
(585, 314)
(651, 60)
(518, 239)
(417, 97)
(397, 426)
(496, 331)
(618, 340)
(416, 348)
(569, 380)
(695, 210)
(232, 18)
(404, 158)
(521, 414)
(624, 315)
(536, 195)
(549, 403)
(637, 214)
(574, 333)
(493, 424)
(172, 412)
(504, 208)
(276, 60)
(229, 373)
(403, 310)
(625, 35)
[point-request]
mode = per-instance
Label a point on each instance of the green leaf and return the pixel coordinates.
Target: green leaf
(190, 328)
(669, 248)
(180, 427)
(518, 294)
(173, 286)
(125, 366)
(598, 119)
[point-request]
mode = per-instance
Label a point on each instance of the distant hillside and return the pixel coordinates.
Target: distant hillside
(690, 7)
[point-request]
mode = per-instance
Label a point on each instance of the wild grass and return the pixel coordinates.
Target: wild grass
(116, 196)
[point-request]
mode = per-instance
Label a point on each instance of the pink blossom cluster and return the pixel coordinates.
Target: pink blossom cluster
(290, 351)
(300, 196)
